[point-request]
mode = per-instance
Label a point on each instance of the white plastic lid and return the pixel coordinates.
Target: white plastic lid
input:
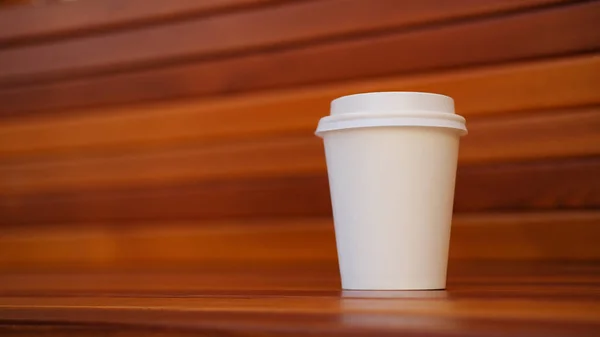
(379, 109)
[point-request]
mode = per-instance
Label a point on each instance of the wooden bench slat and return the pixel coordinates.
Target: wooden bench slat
(506, 236)
(517, 137)
(477, 92)
(545, 185)
(231, 33)
(36, 22)
(527, 35)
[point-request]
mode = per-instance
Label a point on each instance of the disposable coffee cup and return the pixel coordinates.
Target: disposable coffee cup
(391, 161)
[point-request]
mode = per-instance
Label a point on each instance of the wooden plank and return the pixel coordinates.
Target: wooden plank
(180, 246)
(93, 246)
(541, 135)
(523, 137)
(481, 91)
(546, 185)
(8, 4)
(229, 277)
(549, 299)
(232, 33)
(526, 236)
(572, 30)
(23, 24)
(313, 314)
(494, 278)
(571, 184)
(190, 201)
(320, 305)
(90, 330)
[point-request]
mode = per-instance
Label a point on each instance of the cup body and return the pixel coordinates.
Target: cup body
(392, 192)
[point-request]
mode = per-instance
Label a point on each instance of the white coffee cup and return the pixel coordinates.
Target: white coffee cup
(391, 160)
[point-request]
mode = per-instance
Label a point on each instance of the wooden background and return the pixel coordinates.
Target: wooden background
(169, 137)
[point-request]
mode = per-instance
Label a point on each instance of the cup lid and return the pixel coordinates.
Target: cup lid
(377, 109)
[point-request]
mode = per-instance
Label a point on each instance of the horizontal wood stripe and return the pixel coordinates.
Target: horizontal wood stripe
(32, 23)
(92, 246)
(467, 279)
(538, 236)
(24, 329)
(525, 35)
(557, 134)
(547, 185)
(474, 308)
(20, 24)
(312, 314)
(571, 184)
(237, 198)
(503, 278)
(158, 323)
(540, 135)
(526, 236)
(489, 90)
(232, 277)
(253, 158)
(235, 32)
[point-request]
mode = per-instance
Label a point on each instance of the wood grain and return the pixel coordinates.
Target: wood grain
(481, 278)
(282, 325)
(536, 135)
(544, 185)
(232, 33)
(301, 242)
(30, 24)
(190, 201)
(310, 315)
(90, 330)
(554, 31)
(477, 303)
(169, 245)
(233, 278)
(559, 134)
(507, 309)
(203, 208)
(525, 236)
(483, 91)
(336, 316)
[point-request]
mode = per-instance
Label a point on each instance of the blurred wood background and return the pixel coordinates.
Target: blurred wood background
(165, 136)
(159, 174)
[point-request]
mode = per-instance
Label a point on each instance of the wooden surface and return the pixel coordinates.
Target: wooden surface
(482, 299)
(541, 185)
(543, 33)
(525, 137)
(27, 22)
(480, 92)
(181, 245)
(21, 25)
(231, 33)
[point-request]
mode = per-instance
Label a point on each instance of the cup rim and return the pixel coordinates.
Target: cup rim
(414, 118)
